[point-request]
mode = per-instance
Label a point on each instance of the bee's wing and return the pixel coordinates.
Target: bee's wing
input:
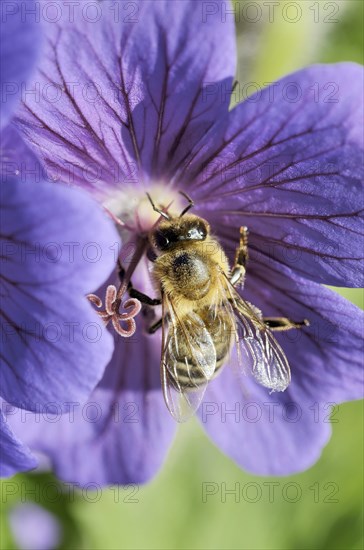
(185, 335)
(258, 352)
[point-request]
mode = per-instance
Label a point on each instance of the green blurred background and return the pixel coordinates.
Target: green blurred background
(170, 512)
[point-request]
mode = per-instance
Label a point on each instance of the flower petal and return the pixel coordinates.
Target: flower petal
(122, 434)
(19, 46)
(56, 245)
(288, 163)
(326, 357)
(131, 91)
(283, 433)
(14, 456)
(275, 434)
(17, 159)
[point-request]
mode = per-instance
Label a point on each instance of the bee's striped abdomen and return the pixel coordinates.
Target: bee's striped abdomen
(187, 369)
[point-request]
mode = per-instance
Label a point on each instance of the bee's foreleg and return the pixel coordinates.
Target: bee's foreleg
(155, 326)
(121, 273)
(282, 323)
(133, 293)
(143, 298)
(241, 258)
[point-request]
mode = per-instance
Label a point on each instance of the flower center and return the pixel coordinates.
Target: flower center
(132, 209)
(133, 212)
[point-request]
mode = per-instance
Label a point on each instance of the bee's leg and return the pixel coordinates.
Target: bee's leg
(133, 293)
(143, 298)
(282, 323)
(155, 326)
(241, 258)
(121, 273)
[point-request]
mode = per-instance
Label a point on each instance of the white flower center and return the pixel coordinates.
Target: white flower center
(133, 210)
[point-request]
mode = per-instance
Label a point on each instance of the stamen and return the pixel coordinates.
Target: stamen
(113, 217)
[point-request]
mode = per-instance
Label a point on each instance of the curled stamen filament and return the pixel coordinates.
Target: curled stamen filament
(111, 312)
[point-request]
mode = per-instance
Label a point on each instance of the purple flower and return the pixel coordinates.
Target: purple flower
(34, 528)
(143, 95)
(48, 236)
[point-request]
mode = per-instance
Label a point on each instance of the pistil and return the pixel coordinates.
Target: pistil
(114, 297)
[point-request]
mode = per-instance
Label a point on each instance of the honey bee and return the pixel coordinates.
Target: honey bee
(203, 315)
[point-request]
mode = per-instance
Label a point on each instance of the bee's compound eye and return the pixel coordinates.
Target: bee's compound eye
(163, 239)
(197, 232)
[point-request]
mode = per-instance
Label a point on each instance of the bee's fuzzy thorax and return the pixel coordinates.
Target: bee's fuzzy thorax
(190, 272)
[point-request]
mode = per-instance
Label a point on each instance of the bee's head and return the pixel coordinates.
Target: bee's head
(177, 230)
(171, 230)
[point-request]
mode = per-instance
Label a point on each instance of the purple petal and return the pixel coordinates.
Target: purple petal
(14, 456)
(34, 527)
(327, 356)
(17, 159)
(56, 245)
(275, 434)
(288, 163)
(132, 92)
(122, 434)
(283, 433)
(19, 46)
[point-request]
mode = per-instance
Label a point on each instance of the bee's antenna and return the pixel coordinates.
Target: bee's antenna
(164, 214)
(190, 203)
